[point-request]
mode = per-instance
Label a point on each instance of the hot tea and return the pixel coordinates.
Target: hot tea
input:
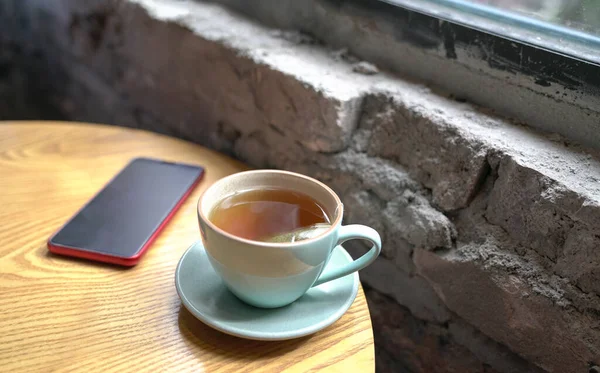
(272, 215)
(247, 221)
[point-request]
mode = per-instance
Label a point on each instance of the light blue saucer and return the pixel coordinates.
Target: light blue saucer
(203, 294)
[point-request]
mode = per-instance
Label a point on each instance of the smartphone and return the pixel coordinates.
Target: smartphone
(120, 223)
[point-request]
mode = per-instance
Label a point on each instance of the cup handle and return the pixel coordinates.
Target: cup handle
(353, 232)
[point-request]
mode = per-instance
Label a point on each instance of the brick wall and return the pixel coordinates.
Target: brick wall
(491, 259)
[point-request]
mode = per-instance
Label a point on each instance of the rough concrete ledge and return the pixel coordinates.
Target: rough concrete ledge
(491, 230)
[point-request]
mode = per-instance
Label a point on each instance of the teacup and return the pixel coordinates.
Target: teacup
(268, 274)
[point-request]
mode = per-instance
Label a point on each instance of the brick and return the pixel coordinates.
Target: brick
(363, 207)
(404, 222)
(417, 222)
(556, 222)
(487, 350)
(518, 204)
(384, 178)
(409, 290)
(436, 154)
(580, 260)
(248, 75)
(407, 344)
(146, 53)
(488, 291)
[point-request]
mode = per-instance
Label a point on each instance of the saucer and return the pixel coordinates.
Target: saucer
(203, 293)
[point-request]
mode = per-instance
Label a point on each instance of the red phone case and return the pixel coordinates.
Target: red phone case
(105, 258)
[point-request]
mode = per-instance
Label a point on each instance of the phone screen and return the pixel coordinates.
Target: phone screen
(121, 219)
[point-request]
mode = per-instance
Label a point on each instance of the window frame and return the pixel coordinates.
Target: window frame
(519, 28)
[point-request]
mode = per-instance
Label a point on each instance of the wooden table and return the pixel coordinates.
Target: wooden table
(61, 314)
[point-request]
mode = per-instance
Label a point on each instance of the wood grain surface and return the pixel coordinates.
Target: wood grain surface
(66, 315)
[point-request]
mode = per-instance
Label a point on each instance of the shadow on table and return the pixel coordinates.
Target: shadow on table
(198, 333)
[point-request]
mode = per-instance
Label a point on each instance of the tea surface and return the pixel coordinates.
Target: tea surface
(261, 214)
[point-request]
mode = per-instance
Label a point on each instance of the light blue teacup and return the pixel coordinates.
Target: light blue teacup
(271, 275)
